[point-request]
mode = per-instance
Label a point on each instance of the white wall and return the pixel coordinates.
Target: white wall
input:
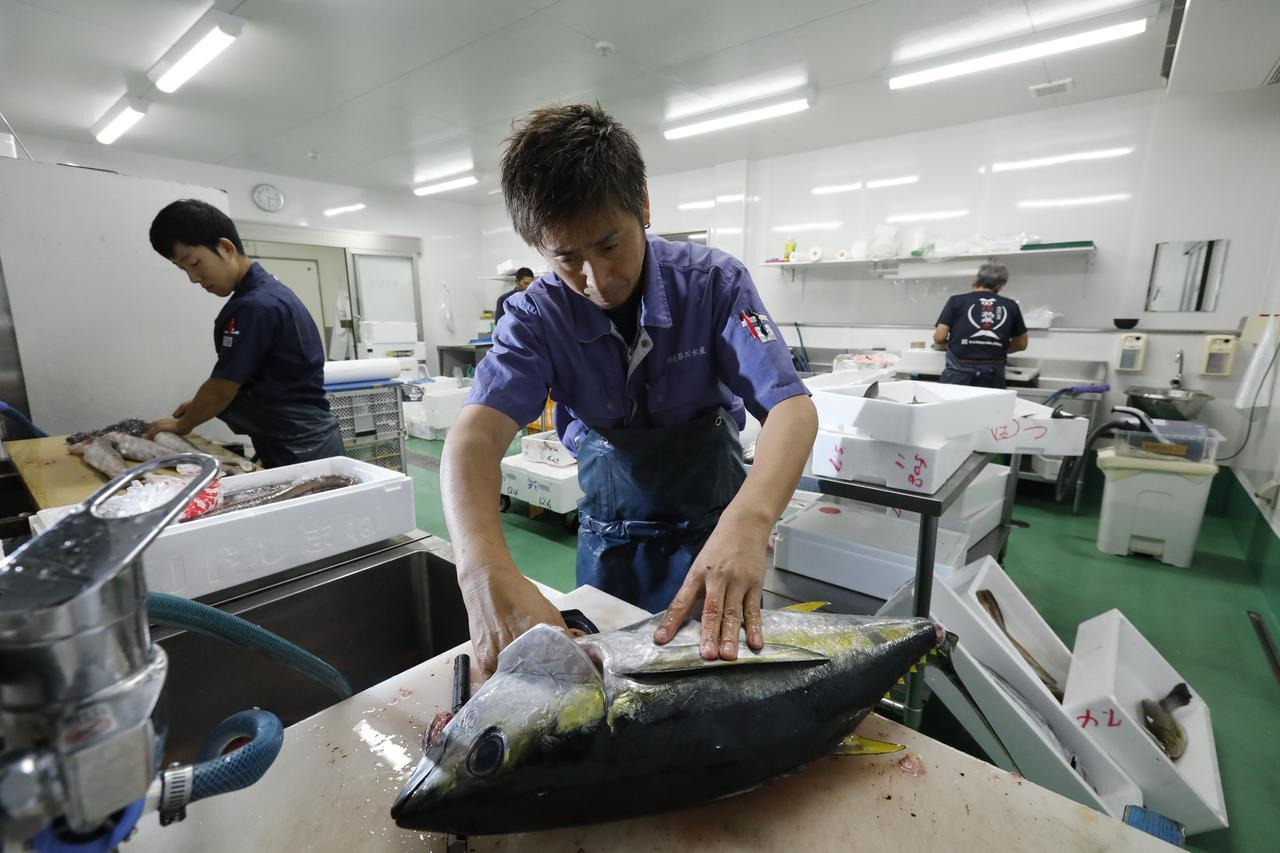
(449, 231)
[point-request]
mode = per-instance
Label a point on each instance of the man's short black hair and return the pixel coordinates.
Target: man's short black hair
(524, 272)
(565, 162)
(193, 222)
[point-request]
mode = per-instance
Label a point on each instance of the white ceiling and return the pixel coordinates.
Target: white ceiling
(390, 93)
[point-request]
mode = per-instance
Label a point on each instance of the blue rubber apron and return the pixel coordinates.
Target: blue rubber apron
(979, 374)
(652, 496)
(284, 433)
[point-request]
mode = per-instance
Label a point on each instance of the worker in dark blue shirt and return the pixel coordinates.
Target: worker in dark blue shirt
(979, 329)
(524, 278)
(268, 381)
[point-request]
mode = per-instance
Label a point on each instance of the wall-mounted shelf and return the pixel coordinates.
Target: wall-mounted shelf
(891, 268)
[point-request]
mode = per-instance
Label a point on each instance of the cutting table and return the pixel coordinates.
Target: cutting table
(54, 477)
(332, 786)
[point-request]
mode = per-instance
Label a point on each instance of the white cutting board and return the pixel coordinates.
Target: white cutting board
(331, 790)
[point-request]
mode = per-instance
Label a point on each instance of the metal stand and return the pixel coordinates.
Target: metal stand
(930, 508)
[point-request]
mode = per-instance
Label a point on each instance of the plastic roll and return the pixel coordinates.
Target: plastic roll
(815, 253)
(360, 370)
(842, 255)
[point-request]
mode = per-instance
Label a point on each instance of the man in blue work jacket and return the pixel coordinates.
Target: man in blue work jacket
(268, 381)
(651, 350)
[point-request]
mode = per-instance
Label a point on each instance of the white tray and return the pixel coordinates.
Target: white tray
(547, 486)
(1114, 668)
(914, 412)
(210, 554)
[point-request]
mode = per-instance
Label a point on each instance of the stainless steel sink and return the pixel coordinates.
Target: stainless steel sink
(371, 617)
(1171, 404)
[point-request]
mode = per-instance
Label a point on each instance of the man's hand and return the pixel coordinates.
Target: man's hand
(163, 425)
(182, 409)
(728, 575)
(502, 605)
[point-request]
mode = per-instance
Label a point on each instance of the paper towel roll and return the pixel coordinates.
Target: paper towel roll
(361, 370)
(1258, 380)
(815, 253)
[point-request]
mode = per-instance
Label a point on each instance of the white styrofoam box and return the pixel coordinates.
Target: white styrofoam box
(545, 447)
(1154, 507)
(987, 488)
(924, 466)
(847, 378)
(864, 551)
(911, 412)
(387, 331)
(927, 361)
(541, 485)
(1033, 429)
(209, 554)
(1046, 466)
(955, 604)
(975, 525)
(1113, 669)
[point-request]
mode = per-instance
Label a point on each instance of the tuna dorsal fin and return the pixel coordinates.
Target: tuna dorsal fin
(804, 607)
(855, 745)
(687, 659)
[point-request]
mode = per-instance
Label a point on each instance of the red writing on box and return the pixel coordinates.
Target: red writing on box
(1086, 719)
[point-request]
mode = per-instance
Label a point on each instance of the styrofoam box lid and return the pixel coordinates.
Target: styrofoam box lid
(843, 525)
(847, 379)
(870, 444)
(930, 394)
(541, 470)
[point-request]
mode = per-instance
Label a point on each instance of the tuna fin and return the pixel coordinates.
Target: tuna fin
(672, 660)
(855, 745)
(806, 607)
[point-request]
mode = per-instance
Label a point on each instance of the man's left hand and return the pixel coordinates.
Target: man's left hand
(163, 425)
(728, 575)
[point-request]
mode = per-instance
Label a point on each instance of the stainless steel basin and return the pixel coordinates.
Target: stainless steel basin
(372, 618)
(1171, 404)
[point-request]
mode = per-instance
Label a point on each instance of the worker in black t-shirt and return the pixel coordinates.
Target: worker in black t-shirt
(979, 329)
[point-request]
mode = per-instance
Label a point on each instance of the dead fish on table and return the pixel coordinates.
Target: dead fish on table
(101, 455)
(132, 426)
(988, 600)
(136, 448)
(228, 462)
(611, 726)
(1158, 718)
(264, 495)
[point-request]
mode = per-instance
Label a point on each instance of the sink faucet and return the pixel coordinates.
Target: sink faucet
(1176, 381)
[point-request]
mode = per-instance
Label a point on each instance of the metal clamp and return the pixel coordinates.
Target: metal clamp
(175, 793)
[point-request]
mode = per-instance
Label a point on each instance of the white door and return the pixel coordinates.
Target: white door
(386, 299)
(303, 278)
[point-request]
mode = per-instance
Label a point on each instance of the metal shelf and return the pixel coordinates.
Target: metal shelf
(891, 267)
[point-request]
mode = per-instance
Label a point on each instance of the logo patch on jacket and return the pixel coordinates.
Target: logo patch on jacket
(229, 333)
(758, 326)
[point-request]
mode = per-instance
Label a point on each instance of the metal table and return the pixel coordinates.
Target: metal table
(930, 508)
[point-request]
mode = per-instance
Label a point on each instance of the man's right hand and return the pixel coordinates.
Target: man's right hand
(182, 409)
(501, 605)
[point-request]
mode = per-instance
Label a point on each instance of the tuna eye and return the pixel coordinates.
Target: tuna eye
(486, 756)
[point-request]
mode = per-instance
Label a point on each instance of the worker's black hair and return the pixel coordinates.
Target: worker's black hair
(524, 272)
(194, 223)
(562, 163)
(992, 276)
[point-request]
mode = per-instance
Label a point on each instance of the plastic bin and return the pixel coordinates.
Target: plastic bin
(541, 485)
(367, 413)
(1152, 506)
(1185, 440)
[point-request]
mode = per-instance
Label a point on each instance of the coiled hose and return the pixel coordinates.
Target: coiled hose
(215, 773)
(175, 612)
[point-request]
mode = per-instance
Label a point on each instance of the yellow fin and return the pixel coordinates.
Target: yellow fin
(806, 607)
(855, 745)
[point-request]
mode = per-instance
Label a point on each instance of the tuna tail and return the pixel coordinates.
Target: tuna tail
(804, 607)
(855, 745)
(1178, 697)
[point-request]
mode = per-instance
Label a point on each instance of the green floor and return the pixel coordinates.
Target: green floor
(1195, 617)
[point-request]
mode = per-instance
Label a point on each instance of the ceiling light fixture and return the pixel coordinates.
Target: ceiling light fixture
(793, 103)
(927, 217)
(892, 182)
(1025, 53)
(697, 205)
(735, 198)
(123, 115)
(1072, 202)
(807, 226)
(445, 186)
(1104, 154)
(346, 208)
(697, 235)
(207, 38)
(832, 189)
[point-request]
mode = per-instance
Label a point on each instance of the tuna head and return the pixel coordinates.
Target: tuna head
(542, 706)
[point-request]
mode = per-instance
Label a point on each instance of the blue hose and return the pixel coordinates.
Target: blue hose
(215, 773)
(175, 612)
(14, 415)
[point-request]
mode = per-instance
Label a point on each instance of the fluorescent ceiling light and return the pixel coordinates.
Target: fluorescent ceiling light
(807, 226)
(698, 235)
(892, 182)
(207, 38)
(732, 94)
(123, 115)
(787, 106)
(346, 208)
(832, 189)
(1013, 56)
(697, 205)
(927, 217)
(1038, 162)
(731, 199)
(445, 186)
(1072, 202)
(494, 192)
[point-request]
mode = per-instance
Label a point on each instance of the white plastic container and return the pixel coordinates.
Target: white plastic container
(547, 486)
(387, 331)
(1152, 506)
(545, 447)
(1046, 466)
(437, 411)
(987, 488)
(955, 604)
(1113, 669)
(923, 467)
(210, 554)
(852, 548)
(974, 526)
(930, 362)
(1033, 429)
(914, 412)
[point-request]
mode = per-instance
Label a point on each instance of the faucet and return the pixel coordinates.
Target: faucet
(1176, 381)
